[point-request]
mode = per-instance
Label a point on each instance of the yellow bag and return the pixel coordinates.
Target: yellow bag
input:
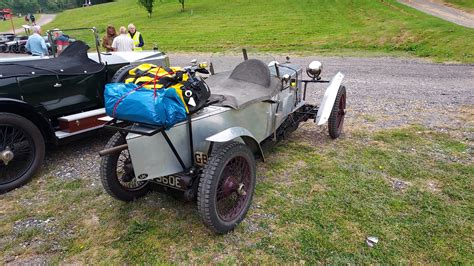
(151, 76)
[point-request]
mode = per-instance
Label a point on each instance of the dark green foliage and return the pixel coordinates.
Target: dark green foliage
(182, 5)
(148, 5)
(22, 6)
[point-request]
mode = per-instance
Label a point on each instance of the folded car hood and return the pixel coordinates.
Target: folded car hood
(109, 58)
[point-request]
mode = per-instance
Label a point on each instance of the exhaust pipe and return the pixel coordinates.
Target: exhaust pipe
(113, 150)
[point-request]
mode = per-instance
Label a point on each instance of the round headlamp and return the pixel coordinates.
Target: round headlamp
(314, 69)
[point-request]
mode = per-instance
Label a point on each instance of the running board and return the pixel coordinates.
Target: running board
(81, 122)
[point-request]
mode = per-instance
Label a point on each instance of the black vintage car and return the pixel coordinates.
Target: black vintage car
(4, 39)
(47, 100)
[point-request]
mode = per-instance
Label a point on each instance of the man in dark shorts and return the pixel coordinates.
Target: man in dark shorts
(33, 19)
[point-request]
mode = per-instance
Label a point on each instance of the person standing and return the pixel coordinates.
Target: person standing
(136, 37)
(27, 19)
(109, 37)
(123, 42)
(61, 40)
(33, 19)
(36, 44)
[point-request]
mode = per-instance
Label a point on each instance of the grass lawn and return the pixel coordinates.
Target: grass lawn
(467, 5)
(315, 203)
(17, 22)
(307, 27)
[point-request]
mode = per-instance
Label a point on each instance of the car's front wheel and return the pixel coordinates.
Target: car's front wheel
(338, 112)
(22, 151)
(226, 186)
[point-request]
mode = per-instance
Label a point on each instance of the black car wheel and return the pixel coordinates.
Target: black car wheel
(336, 119)
(16, 49)
(21, 151)
(226, 187)
(122, 73)
(116, 173)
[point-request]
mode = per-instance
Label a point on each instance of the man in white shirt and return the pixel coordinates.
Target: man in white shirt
(123, 42)
(36, 44)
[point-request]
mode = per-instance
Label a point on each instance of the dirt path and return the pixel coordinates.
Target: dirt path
(43, 20)
(437, 9)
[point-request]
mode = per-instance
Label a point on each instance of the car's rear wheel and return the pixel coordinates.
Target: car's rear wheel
(226, 187)
(21, 151)
(336, 119)
(116, 173)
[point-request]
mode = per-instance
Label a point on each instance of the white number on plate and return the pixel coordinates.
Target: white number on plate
(172, 181)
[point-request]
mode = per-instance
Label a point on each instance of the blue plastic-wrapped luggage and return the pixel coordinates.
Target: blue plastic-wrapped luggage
(130, 102)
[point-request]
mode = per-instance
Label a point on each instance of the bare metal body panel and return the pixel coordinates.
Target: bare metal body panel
(152, 157)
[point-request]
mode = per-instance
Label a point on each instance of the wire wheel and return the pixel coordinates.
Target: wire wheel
(16, 144)
(117, 175)
(125, 174)
(226, 187)
(233, 189)
(21, 151)
(336, 119)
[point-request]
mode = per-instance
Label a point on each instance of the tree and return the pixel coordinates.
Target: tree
(148, 5)
(182, 5)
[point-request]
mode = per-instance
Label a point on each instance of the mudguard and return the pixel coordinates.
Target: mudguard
(327, 102)
(238, 132)
(22, 108)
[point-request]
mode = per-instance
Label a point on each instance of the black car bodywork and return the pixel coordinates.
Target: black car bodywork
(36, 93)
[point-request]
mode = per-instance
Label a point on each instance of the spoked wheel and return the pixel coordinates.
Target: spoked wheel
(336, 119)
(21, 151)
(116, 173)
(226, 187)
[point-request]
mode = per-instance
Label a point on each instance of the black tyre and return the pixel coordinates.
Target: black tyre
(119, 76)
(116, 173)
(22, 151)
(226, 187)
(122, 73)
(336, 119)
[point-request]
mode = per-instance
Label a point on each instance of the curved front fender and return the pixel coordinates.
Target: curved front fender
(238, 132)
(327, 102)
(24, 109)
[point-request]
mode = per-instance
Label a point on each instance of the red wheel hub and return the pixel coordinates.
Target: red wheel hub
(230, 185)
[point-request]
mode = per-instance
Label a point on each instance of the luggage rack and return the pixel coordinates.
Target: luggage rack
(136, 128)
(151, 130)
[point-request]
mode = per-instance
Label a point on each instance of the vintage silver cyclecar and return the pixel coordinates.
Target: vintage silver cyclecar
(212, 155)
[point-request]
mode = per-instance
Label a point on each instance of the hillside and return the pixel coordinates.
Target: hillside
(334, 27)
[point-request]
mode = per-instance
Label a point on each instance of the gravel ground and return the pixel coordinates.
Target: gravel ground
(382, 93)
